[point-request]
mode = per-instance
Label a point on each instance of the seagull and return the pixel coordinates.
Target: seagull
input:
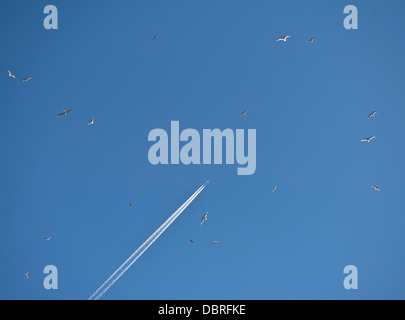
(283, 38)
(191, 241)
(368, 139)
(375, 187)
(214, 242)
(26, 79)
(155, 37)
(274, 189)
(372, 114)
(243, 113)
(27, 275)
(48, 238)
(204, 218)
(64, 112)
(91, 121)
(311, 40)
(10, 74)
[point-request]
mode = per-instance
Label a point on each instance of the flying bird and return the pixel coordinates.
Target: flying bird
(375, 187)
(48, 238)
(274, 189)
(204, 218)
(91, 121)
(283, 38)
(130, 204)
(368, 139)
(26, 79)
(155, 37)
(372, 114)
(64, 112)
(214, 242)
(191, 241)
(27, 275)
(311, 40)
(243, 113)
(10, 74)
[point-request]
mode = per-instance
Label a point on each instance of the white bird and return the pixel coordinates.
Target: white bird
(27, 275)
(91, 121)
(284, 38)
(274, 189)
(204, 218)
(243, 113)
(311, 40)
(375, 187)
(368, 139)
(26, 79)
(214, 242)
(10, 74)
(48, 238)
(372, 114)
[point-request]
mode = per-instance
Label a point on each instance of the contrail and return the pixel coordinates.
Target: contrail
(128, 263)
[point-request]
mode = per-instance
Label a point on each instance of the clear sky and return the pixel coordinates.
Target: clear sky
(212, 59)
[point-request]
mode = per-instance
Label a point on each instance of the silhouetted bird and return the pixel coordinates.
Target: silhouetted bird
(64, 112)
(204, 218)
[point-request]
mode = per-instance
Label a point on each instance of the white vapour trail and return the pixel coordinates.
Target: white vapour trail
(128, 263)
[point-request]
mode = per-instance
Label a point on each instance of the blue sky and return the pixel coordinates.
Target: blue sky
(212, 59)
